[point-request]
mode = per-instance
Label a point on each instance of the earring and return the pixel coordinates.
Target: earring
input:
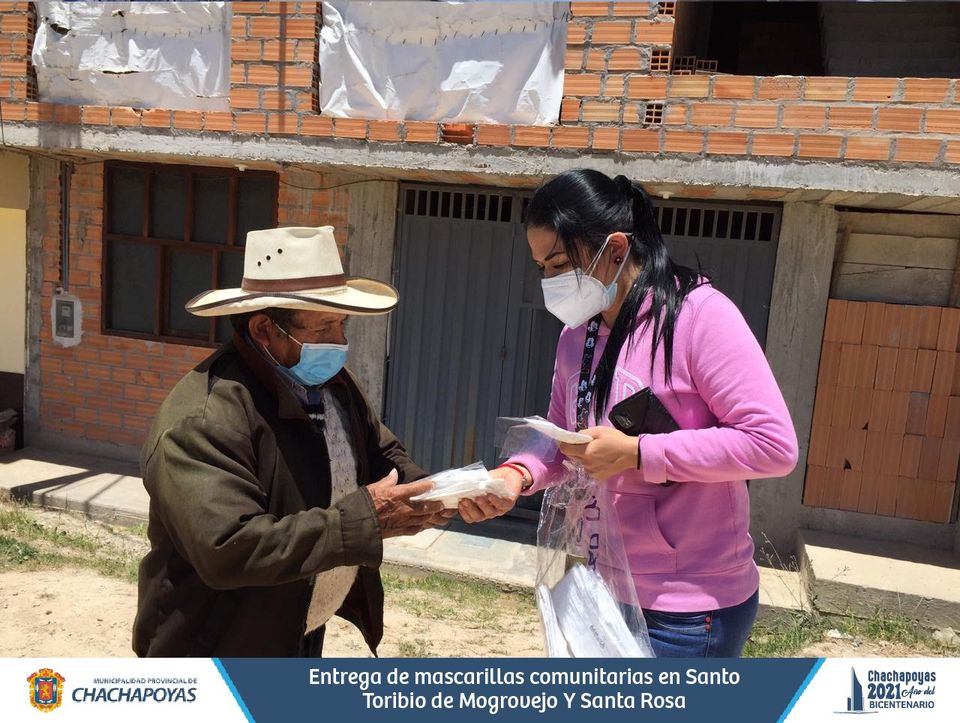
(618, 259)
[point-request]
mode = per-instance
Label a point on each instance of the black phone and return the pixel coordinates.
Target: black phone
(642, 413)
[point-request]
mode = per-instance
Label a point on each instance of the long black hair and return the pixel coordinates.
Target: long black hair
(584, 207)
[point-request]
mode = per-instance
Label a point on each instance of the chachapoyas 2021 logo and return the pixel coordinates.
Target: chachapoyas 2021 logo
(891, 689)
(46, 689)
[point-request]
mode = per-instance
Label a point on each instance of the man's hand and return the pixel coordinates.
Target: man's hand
(486, 507)
(610, 453)
(397, 514)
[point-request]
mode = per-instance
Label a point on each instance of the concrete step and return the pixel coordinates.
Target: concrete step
(855, 576)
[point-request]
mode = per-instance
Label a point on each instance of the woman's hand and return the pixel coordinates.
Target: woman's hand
(610, 453)
(483, 508)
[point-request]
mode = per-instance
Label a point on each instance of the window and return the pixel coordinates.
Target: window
(172, 232)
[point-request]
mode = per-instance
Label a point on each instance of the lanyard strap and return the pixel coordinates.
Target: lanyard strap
(587, 381)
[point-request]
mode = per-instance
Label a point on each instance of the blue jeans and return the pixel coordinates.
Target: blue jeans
(709, 634)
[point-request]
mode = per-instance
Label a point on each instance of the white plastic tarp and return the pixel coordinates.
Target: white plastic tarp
(142, 54)
(476, 62)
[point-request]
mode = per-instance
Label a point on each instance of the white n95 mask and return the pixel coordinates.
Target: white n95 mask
(575, 297)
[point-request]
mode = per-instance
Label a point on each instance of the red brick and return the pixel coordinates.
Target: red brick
(421, 132)
(13, 67)
(275, 100)
(858, 117)
(595, 59)
(943, 120)
(188, 119)
(296, 77)
(656, 33)
(245, 98)
(756, 116)
(711, 114)
(212, 120)
(263, 75)
(251, 122)
(778, 88)
(925, 90)
(156, 118)
(899, 119)
(734, 87)
(350, 128)
(246, 50)
(867, 148)
(316, 125)
(614, 85)
(953, 152)
(126, 117)
(567, 137)
(922, 150)
(282, 123)
(93, 115)
(675, 114)
(238, 74)
(875, 89)
(646, 87)
(606, 139)
(13, 111)
(581, 84)
(276, 51)
(576, 33)
(384, 131)
(248, 8)
(587, 9)
(493, 135)
(630, 9)
(305, 28)
(238, 28)
(641, 140)
(819, 146)
(727, 143)
(265, 27)
(826, 89)
(684, 142)
(688, 86)
(15, 23)
(569, 110)
(624, 59)
(804, 116)
(595, 111)
(772, 144)
(531, 136)
(613, 32)
(573, 59)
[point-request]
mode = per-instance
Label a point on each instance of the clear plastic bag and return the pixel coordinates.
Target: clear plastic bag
(453, 485)
(584, 586)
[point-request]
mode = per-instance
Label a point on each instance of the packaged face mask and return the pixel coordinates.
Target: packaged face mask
(454, 485)
(556, 643)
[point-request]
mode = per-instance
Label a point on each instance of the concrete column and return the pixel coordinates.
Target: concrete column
(44, 174)
(371, 232)
(798, 306)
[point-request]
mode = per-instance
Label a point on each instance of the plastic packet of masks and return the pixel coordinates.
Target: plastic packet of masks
(585, 590)
(453, 485)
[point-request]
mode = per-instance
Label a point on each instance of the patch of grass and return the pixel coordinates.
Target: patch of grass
(477, 604)
(784, 639)
(416, 648)
(26, 542)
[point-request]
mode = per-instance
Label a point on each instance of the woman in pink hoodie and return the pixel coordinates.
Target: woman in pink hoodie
(636, 320)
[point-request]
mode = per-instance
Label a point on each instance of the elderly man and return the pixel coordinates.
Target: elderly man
(272, 482)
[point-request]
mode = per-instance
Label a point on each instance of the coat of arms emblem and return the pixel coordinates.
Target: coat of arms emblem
(46, 689)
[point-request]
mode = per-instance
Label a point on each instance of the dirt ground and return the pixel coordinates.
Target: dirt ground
(67, 588)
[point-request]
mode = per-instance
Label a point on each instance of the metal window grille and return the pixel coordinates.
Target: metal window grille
(466, 205)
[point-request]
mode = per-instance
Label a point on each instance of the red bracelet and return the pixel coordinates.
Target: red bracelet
(520, 471)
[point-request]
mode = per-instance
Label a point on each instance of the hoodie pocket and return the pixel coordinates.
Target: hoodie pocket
(648, 551)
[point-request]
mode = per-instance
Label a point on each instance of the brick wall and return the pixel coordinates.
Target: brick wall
(619, 98)
(108, 388)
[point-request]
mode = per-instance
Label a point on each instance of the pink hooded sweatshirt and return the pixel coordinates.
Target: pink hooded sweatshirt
(688, 544)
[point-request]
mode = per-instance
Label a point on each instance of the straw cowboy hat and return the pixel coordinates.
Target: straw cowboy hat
(295, 268)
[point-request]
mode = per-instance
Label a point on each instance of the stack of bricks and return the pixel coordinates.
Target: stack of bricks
(886, 421)
(619, 97)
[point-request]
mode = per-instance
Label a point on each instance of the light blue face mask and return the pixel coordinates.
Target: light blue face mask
(318, 362)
